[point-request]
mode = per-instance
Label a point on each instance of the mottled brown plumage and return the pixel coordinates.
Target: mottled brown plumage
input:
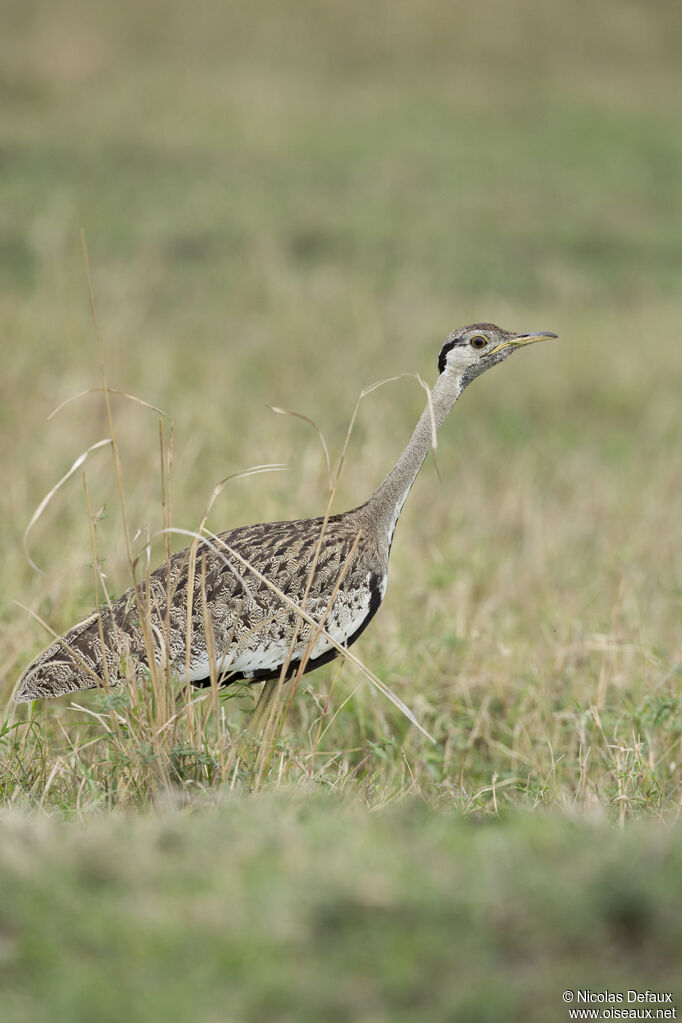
(248, 619)
(246, 584)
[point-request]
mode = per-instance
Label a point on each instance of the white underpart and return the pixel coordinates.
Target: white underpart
(344, 619)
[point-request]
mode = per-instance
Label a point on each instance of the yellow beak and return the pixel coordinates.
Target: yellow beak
(523, 339)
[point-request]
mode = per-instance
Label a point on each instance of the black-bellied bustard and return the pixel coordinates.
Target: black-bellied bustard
(246, 585)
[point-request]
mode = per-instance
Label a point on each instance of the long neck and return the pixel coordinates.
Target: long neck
(389, 498)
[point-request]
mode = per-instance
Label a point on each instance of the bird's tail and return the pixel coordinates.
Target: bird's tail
(91, 654)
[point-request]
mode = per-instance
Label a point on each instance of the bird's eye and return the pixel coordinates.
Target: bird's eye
(478, 341)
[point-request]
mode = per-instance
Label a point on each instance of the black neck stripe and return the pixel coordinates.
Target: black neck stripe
(442, 358)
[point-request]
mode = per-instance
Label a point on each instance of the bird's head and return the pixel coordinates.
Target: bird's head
(469, 351)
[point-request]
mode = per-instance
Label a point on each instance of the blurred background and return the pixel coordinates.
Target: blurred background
(286, 202)
(284, 206)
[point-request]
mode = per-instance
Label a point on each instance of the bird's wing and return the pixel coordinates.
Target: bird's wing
(236, 620)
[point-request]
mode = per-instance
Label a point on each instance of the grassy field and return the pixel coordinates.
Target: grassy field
(265, 911)
(279, 210)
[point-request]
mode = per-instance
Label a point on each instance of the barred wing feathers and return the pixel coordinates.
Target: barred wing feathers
(249, 626)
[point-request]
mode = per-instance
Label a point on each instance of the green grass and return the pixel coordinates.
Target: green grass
(281, 210)
(301, 908)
